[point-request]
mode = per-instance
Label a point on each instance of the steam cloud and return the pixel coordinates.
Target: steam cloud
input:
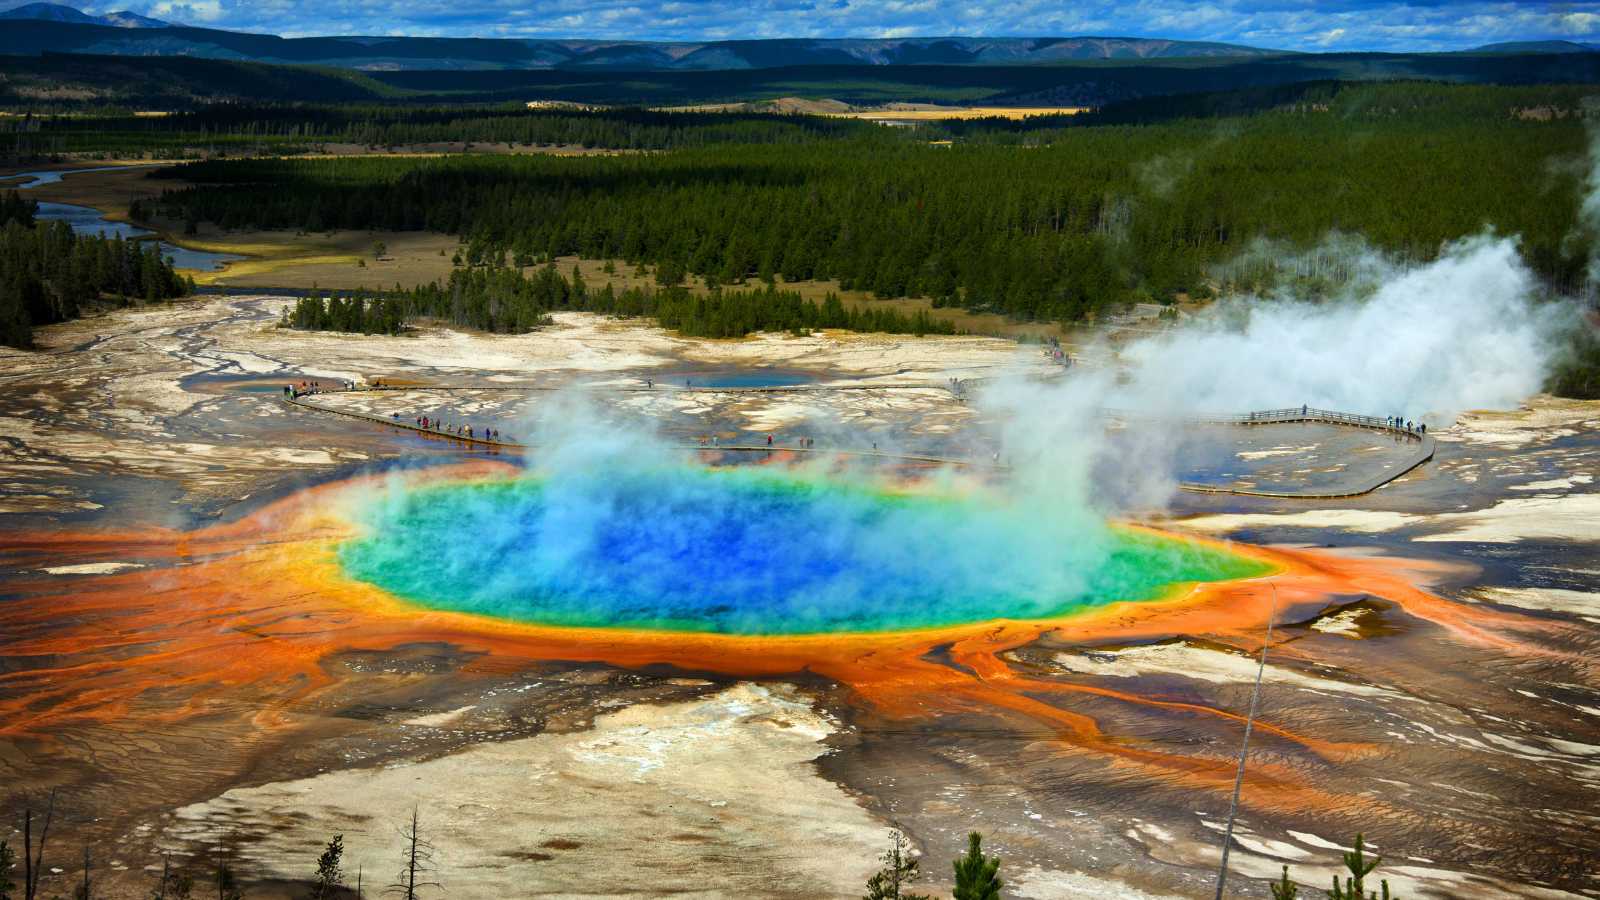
(1426, 343)
(622, 528)
(1463, 332)
(618, 527)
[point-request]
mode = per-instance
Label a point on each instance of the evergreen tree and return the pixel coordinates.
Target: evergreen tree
(899, 870)
(8, 858)
(330, 869)
(1360, 867)
(977, 876)
(227, 882)
(1284, 889)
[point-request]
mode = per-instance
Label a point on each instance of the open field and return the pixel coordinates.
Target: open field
(300, 261)
(111, 192)
(329, 261)
(887, 112)
(895, 112)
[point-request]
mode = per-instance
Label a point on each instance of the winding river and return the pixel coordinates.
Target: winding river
(88, 220)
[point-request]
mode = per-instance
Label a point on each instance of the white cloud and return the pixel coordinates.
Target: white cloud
(206, 11)
(1286, 24)
(1580, 22)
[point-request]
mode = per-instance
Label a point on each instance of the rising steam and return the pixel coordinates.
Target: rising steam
(614, 528)
(1466, 331)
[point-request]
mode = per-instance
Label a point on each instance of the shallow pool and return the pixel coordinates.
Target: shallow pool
(747, 551)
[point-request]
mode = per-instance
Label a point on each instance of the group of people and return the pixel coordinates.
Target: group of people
(304, 388)
(314, 387)
(1052, 349)
(427, 423)
(1397, 422)
(804, 443)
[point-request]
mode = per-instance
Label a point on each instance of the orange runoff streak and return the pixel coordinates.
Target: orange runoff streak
(235, 619)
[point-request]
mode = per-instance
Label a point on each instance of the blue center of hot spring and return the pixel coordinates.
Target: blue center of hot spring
(751, 552)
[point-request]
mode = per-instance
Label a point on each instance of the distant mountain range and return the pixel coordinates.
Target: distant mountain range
(52, 28)
(55, 12)
(38, 28)
(1538, 47)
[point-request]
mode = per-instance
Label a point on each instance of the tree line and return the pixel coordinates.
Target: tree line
(48, 274)
(224, 129)
(1092, 219)
(505, 300)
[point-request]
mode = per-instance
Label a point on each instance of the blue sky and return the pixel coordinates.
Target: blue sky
(1285, 24)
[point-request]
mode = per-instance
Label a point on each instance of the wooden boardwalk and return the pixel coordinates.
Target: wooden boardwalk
(1422, 452)
(1424, 442)
(303, 400)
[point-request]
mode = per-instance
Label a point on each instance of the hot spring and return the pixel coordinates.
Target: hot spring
(752, 552)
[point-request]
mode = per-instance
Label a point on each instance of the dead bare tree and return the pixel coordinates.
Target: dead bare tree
(85, 890)
(33, 858)
(418, 865)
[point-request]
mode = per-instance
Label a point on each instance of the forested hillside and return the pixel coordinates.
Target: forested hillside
(233, 129)
(57, 82)
(1065, 224)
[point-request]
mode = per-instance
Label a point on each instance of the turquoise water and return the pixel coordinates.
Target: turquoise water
(735, 378)
(751, 552)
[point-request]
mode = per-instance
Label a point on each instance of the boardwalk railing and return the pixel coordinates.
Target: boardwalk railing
(1423, 453)
(303, 398)
(1278, 417)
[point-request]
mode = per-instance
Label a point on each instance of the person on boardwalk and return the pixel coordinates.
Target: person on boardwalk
(769, 440)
